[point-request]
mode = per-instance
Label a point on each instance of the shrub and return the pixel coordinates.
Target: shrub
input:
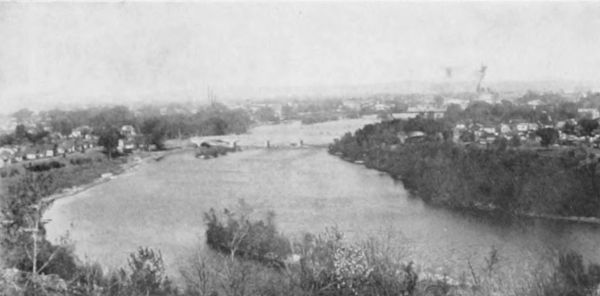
(147, 275)
(329, 266)
(218, 274)
(235, 234)
(45, 166)
(14, 172)
(81, 160)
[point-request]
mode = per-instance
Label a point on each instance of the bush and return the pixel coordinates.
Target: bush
(147, 275)
(81, 160)
(217, 274)
(45, 166)
(329, 266)
(235, 234)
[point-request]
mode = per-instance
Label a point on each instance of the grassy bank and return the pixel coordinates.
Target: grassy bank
(78, 171)
(75, 170)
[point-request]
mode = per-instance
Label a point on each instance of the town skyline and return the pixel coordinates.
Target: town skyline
(84, 53)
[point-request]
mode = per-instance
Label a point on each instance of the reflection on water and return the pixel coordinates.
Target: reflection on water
(162, 203)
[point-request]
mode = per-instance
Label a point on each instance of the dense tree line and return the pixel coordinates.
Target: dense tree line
(555, 182)
(549, 108)
(154, 125)
(173, 120)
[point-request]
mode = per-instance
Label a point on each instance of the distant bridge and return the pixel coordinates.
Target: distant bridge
(253, 144)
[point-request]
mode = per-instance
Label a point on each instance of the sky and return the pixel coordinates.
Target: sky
(124, 51)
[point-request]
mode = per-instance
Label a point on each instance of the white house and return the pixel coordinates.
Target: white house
(589, 112)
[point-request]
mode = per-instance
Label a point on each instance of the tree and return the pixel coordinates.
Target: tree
(23, 242)
(566, 110)
(453, 112)
(23, 115)
(383, 115)
(115, 116)
(549, 136)
(21, 133)
(588, 125)
(109, 139)
(38, 135)
(154, 131)
(500, 143)
(287, 112)
(7, 139)
(214, 126)
(148, 273)
(515, 141)
(266, 114)
(479, 111)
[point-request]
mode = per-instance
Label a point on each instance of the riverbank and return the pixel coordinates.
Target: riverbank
(558, 185)
(128, 163)
(479, 207)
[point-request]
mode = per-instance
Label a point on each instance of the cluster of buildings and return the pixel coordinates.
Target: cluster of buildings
(526, 132)
(54, 145)
(487, 134)
(28, 152)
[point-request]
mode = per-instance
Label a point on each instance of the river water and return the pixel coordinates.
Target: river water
(161, 205)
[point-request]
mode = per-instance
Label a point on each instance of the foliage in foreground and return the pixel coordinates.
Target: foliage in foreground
(244, 263)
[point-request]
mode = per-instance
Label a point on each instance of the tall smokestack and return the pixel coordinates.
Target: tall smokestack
(481, 76)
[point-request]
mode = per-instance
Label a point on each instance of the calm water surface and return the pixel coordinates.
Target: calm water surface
(161, 205)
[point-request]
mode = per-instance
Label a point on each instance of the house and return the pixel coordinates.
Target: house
(126, 145)
(591, 113)
(47, 150)
(128, 131)
(404, 115)
(490, 130)
(18, 156)
(6, 154)
(535, 103)
(423, 111)
(81, 131)
(532, 126)
(67, 146)
(381, 107)
(30, 154)
(504, 128)
(460, 126)
(523, 127)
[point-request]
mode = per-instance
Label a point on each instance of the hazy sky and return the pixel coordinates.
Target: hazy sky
(120, 51)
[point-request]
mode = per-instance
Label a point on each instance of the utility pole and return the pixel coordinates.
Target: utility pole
(34, 230)
(34, 234)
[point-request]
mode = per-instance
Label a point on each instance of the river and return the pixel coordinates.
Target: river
(161, 205)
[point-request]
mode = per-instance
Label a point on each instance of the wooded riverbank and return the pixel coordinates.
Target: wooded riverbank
(558, 184)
